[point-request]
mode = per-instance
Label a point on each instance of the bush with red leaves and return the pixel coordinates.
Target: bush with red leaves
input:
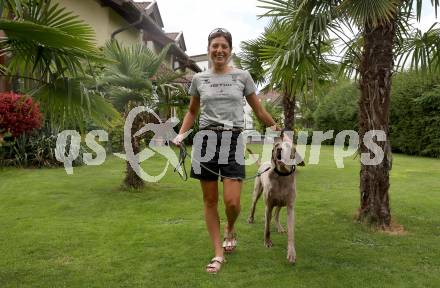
(19, 114)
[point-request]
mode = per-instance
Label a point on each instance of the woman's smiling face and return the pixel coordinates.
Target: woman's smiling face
(219, 51)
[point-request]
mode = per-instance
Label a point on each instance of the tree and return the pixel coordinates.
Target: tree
(47, 48)
(384, 34)
(269, 58)
(136, 76)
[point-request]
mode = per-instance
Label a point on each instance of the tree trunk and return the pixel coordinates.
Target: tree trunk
(289, 111)
(375, 84)
(132, 180)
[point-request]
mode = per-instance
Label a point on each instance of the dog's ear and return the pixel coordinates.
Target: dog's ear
(276, 144)
(274, 148)
(293, 152)
(272, 155)
(282, 133)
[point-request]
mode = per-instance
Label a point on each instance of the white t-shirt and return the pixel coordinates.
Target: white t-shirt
(221, 96)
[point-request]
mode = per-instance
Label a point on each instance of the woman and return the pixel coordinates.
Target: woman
(219, 93)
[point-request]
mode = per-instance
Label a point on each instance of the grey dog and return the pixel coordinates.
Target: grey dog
(278, 186)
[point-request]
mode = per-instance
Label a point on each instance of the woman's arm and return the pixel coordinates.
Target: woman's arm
(260, 112)
(190, 116)
(188, 120)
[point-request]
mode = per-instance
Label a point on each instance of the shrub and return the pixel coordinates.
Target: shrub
(338, 109)
(36, 150)
(116, 137)
(415, 115)
(19, 114)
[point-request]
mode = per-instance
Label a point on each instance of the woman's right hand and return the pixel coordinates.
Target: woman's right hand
(178, 140)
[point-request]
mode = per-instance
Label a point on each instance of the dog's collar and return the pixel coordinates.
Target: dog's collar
(285, 173)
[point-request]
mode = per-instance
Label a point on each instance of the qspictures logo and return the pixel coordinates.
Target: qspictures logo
(69, 141)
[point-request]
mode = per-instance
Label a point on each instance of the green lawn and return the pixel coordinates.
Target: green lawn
(83, 231)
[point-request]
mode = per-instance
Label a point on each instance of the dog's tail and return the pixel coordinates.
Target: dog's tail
(257, 160)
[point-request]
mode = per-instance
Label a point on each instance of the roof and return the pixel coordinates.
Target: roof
(150, 22)
(177, 37)
(199, 57)
(151, 9)
(142, 5)
(271, 96)
(172, 35)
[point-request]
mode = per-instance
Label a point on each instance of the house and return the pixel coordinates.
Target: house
(273, 97)
(132, 22)
(202, 61)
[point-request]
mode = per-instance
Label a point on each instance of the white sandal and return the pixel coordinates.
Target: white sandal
(214, 266)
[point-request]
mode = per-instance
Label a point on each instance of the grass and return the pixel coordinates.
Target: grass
(83, 231)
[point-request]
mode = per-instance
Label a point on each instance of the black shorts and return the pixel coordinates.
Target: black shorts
(227, 167)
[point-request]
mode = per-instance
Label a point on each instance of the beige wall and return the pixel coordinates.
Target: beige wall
(130, 36)
(151, 46)
(102, 19)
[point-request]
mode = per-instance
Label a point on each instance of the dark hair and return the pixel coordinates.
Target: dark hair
(220, 32)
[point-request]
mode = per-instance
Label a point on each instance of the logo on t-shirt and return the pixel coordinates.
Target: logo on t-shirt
(215, 85)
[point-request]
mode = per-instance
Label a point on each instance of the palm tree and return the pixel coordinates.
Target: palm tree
(269, 58)
(137, 76)
(384, 35)
(47, 48)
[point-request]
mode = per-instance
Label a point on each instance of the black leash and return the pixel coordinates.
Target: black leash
(182, 156)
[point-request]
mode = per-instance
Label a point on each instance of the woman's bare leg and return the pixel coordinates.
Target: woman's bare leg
(210, 199)
(231, 196)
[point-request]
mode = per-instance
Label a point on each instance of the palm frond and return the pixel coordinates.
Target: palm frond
(46, 43)
(130, 78)
(420, 51)
(297, 61)
(250, 59)
(351, 57)
(276, 8)
(44, 39)
(418, 4)
(121, 96)
(165, 76)
(68, 103)
(154, 66)
(372, 12)
(47, 36)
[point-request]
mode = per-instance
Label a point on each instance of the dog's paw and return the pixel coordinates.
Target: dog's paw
(291, 255)
(291, 259)
(268, 243)
(250, 220)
